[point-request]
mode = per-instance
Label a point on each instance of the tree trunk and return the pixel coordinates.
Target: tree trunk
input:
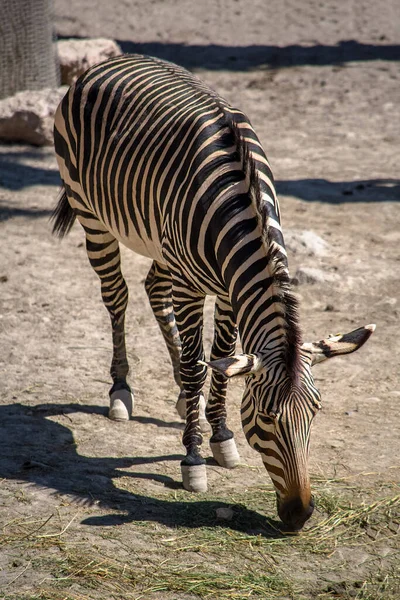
(27, 53)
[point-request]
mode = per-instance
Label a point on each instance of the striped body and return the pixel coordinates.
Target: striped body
(159, 183)
(151, 158)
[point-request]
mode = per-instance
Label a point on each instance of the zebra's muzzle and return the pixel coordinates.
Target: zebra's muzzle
(293, 513)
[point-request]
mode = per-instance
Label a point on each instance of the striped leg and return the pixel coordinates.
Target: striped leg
(159, 290)
(188, 309)
(104, 256)
(222, 443)
(158, 286)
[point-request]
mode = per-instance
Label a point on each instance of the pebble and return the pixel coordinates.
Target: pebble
(224, 513)
(395, 393)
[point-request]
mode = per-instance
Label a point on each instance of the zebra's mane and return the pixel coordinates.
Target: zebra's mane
(277, 262)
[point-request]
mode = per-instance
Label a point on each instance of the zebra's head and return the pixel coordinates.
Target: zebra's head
(277, 413)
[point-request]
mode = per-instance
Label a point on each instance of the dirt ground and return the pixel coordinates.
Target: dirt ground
(320, 82)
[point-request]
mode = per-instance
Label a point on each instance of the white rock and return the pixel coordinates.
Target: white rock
(314, 275)
(76, 56)
(305, 242)
(29, 116)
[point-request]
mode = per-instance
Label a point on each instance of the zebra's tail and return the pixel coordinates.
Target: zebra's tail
(63, 216)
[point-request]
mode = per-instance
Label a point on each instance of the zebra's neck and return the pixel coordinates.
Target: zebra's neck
(260, 308)
(257, 277)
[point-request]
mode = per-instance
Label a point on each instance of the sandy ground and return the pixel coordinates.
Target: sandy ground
(321, 86)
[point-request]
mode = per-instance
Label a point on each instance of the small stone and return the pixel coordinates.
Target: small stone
(395, 393)
(3, 278)
(329, 308)
(373, 399)
(224, 513)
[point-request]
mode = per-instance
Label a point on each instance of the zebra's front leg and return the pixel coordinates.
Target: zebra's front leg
(158, 287)
(104, 256)
(222, 444)
(188, 309)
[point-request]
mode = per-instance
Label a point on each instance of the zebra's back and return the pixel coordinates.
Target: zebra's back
(148, 148)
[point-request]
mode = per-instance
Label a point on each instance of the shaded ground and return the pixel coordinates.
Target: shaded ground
(94, 509)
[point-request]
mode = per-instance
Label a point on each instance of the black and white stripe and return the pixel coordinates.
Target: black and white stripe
(152, 158)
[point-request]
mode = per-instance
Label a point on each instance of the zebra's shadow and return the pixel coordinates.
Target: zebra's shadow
(40, 451)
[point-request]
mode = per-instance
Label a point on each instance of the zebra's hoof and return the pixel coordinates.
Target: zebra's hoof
(225, 453)
(121, 405)
(194, 478)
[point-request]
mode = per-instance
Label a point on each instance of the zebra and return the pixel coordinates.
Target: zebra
(150, 157)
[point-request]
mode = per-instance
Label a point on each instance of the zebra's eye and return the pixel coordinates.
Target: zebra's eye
(267, 419)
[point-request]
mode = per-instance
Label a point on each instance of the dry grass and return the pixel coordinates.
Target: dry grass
(247, 557)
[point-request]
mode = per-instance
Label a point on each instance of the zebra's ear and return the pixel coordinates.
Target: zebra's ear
(235, 366)
(335, 345)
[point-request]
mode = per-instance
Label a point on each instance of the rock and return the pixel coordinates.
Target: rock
(314, 275)
(305, 242)
(76, 56)
(224, 513)
(329, 308)
(29, 116)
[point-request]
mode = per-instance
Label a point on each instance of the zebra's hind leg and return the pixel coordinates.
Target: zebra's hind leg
(104, 256)
(222, 443)
(158, 287)
(188, 308)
